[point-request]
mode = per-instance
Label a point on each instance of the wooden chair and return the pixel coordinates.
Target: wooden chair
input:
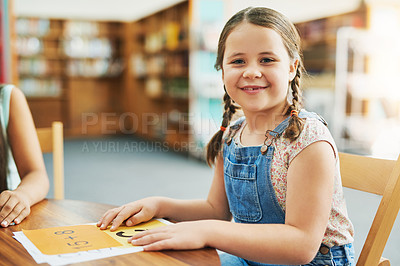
(51, 140)
(381, 177)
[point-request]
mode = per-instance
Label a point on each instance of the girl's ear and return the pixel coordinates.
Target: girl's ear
(293, 69)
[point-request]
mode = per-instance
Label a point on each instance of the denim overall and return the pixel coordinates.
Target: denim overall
(252, 197)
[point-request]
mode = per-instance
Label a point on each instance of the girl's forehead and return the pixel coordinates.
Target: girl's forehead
(249, 29)
(251, 37)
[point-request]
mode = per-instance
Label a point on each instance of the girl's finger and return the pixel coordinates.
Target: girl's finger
(108, 217)
(137, 218)
(22, 215)
(6, 210)
(149, 239)
(119, 219)
(138, 235)
(12, 215)
(153, 231)
(159, 245)
(124, 214)
(4, 197)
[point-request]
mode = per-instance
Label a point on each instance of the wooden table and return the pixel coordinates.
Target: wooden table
(51, 213)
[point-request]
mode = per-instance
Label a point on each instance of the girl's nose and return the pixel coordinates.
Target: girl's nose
(252, 73)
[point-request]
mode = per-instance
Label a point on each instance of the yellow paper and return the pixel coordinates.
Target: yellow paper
(70, 239)
(123, 233)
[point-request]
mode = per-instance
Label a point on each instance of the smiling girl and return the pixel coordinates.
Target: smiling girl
(276, 168)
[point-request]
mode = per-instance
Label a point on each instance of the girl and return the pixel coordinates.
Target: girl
(18, 142)
(276, 168)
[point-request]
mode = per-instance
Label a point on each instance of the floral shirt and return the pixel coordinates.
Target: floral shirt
(340, 229)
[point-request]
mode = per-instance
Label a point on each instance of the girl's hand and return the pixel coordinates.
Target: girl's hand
(14, 207)
(185, 235)
(137, 212)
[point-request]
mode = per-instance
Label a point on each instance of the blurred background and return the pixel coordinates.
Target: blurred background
(134, 85)
(146, 69)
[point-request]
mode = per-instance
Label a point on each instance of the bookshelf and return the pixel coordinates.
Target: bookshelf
(319, 44)
(94, 65)
(157, 76)
(40, 68)
(319, 38)
(70, 71)
(347, 59)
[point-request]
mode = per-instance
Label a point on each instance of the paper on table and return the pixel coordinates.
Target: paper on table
(62, 259)
(70, 239)
(124, 232)
(69, 258)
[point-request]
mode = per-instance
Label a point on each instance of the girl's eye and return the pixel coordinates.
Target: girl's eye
(266, 60)
(237, 61)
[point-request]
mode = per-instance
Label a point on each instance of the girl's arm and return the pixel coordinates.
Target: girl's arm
(308, 204)
(215, 207)
(15, 205)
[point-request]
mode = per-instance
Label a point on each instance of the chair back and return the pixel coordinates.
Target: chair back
(381, 177)
(52, 141)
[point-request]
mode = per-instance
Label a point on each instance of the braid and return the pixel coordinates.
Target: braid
(214, 146)
(296, 123)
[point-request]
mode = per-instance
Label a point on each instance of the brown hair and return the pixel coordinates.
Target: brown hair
(3, 159)
(272, 19)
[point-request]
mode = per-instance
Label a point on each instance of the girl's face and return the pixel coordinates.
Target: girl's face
(256, 69)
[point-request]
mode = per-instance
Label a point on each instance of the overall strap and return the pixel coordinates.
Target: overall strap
(233, 129)
(236, 124)
(304, 114)
(271, 135)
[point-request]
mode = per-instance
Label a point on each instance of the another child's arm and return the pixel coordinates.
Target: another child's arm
(15, 205)
(215, 207)
(308, 205)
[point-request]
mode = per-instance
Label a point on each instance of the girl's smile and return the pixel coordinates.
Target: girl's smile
(251, 89)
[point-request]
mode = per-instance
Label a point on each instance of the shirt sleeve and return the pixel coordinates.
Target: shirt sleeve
(6, 96)
(313, 131)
